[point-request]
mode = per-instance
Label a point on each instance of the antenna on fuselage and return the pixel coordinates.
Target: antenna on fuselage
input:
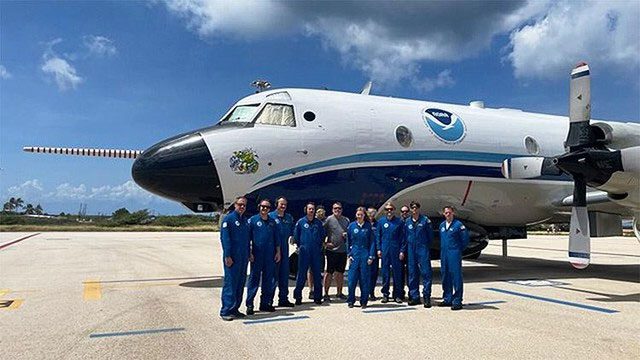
(261, 85)
(367, 88)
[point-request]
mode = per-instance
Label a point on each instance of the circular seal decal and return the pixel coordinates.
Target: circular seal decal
(237, 223)
(355, 231)
(410, 226)
(386, 225)
(277, 221)
(224, 224)
(306, 226)
(259, 223)
(444, 125)
(244, 161)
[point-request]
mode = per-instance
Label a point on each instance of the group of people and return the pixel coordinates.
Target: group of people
(402, 244)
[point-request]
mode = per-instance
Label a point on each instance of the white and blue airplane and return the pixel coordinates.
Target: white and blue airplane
(501, 168)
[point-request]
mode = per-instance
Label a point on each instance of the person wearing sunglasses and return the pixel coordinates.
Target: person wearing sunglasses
(404, 215)
(284, 235)
(336, 251)
(234, 235)
(309, 237)
(265, 253)
(454, 238)
(362, 250)
(389, 242)
(418, 236)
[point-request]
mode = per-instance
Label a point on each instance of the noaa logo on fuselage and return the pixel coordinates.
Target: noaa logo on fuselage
(446, 126)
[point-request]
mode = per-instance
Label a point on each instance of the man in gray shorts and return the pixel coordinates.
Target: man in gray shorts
(336, 250)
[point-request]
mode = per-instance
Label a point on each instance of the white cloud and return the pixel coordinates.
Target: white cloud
(126, 191)
(99, 46)
(443, 79)
(387, 42)
(4, 73)
(62, 72)
(28, 190)
(605, 33)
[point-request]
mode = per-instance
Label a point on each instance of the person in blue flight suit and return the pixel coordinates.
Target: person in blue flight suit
(265, 254)
(454, 238)
(417, 241)
(404, 215)
(388, 242)
(309, 236)
(361, 251)
(375, 267)
(234, 235)
(284, 234)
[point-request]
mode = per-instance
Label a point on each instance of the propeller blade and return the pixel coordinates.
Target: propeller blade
(579, 134)
(528, 167)
(579, 235)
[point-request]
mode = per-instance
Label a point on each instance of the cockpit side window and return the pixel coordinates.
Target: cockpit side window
(277, 114)
(241, 114)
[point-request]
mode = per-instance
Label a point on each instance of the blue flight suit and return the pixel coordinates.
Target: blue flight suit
(361, 247)
(417, 241)
(263, 267)
(389, 235)
(376, 262)
(309, 236)
(284, 229)
(453, 240)
(234, 235)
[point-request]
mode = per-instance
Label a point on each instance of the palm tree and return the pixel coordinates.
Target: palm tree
(29, 209)
(12, 204)
(39, 210)
(18, 203)
(7, 207)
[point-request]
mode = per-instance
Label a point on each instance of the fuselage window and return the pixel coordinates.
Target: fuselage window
(277, 114)
(404, 136)
(531, 145)
(309, 116)
(242, 114)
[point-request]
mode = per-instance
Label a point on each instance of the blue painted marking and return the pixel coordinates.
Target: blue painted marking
(486, 303)
(394, 156)
(555, 301)
(580, 74)
(136, 332)
(579, 255)
(262, 321)
(537, 282)
(387, 310)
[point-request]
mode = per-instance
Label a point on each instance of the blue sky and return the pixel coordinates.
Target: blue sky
(128, 74)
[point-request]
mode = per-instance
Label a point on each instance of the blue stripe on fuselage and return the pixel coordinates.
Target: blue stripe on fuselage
(394, 156)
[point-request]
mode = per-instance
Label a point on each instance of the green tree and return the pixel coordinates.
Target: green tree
(39, 210)
(29, 209)
(18, 203)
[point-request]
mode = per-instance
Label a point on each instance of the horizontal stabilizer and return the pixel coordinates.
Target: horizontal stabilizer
(112, 153)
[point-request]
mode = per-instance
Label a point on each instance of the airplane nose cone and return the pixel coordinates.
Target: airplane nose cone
(180, 169)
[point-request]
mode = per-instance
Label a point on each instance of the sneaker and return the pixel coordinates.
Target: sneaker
(239, 315)
(250, 310)
(444, 304)
(310, 294)
(227, 318)
(286, 303)
(373, 297)
(427, 303)
(267, 308)
(363, 306)
(350, 305)
(342, 296)
(456, 307)
(414, 302)
(398, 300)
(318, 302)
(298, 301)
(326, 298)
(385, 299)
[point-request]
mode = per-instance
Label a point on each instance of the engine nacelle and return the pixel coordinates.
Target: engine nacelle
(617, 135)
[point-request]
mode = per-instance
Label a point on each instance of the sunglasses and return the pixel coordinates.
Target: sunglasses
(265, 206)
(404, 211)
(241, 204)
(389, 209)
(337, 208)
(414, 207)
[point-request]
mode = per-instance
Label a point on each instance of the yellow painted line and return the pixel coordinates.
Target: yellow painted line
(4, 292)
(92, 290)
(15, 304)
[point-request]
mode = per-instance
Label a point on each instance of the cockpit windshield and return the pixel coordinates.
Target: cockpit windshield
(242, 114)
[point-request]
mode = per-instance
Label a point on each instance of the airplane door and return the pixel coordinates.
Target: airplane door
(369, 131)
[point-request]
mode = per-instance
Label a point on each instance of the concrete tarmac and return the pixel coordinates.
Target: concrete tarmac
(157, 296)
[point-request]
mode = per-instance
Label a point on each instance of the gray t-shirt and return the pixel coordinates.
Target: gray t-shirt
(335, 228)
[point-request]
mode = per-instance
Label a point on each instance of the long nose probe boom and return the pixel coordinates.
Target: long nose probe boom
(112, 153)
